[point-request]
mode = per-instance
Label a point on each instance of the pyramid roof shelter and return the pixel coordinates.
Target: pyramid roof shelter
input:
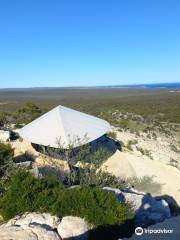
(63, 127)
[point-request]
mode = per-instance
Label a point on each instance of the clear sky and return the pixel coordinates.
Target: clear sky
(88, 42)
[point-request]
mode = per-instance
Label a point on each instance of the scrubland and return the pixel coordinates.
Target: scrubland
(145, 127)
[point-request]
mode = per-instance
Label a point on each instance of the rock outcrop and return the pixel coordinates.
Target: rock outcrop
(36, 226)
(148, 209)
(32, 226)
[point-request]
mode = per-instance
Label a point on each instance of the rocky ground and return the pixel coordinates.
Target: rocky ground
(36, 226)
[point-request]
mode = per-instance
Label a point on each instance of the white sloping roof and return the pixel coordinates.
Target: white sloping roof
(63, 127)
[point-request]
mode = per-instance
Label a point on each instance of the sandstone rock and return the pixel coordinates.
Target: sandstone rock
(23, 147)
(119, 165)
(43, 219)
(16, 233)
(36, 226)
(73, 228)
(148, 209)
(32, 226)
(4, 135)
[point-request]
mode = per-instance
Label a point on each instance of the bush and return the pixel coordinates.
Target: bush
(130, 143)
(90, 176)
(27, 113)
(6, 157)
(27, 194)
(145, 152)
(6, 118)
(3, 118)
(124, 123)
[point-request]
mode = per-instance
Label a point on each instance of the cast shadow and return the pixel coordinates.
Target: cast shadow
(125, 230)
(103, 143)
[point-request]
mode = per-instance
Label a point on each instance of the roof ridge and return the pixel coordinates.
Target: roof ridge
(62, 124)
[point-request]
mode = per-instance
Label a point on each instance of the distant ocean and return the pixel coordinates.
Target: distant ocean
(153, 85)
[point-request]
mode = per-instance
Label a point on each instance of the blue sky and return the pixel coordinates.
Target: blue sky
(88, 42)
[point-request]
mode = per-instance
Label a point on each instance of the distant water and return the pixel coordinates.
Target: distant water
(153, 85)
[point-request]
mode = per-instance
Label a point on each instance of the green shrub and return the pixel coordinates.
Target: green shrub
(124, 123)
(27, 194)
(27, 113)
(6, 118)
(3, 118)
(93, 204)
(6, 157)
(99, 156)
(90, 176)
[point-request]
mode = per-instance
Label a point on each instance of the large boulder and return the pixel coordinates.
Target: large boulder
(4, 136)
(148, 209)
(74, 228)
(32, 226)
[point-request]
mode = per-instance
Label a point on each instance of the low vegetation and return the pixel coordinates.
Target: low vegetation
(81, 194)
(27, 194)
(130, 144)
(159, 104)
(27, 113)
(21, 192)
(145, 152)
(6, 157)
(90, 176)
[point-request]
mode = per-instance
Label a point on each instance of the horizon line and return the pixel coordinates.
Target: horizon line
(96, 86)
